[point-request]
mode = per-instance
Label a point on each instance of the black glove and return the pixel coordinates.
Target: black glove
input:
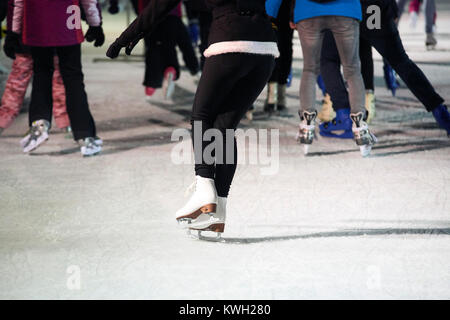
(113, 7)
(116, 46)
(12, 44)
(95, 33)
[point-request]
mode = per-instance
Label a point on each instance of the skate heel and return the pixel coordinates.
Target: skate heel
(219, 227)
(209, 208)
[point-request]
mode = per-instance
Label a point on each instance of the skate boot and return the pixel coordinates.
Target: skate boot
(390, 78)
(430, 42)
(203, 202)
(363, 137)
(370, 106)
(37, 135)
(281, 99)
(327, 113)
(149, 92)
(92, 146)
(213, 223)
(305, 133)
(168, 86)
(442, 117)
(271, 100)
(340, 127)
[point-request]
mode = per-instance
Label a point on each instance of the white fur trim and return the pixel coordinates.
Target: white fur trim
(254, 47)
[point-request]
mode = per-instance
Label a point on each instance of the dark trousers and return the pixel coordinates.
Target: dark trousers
(330, 69)
(81, 120)
(229, 85)
(388, 43)
(284, 36)
(161, 51)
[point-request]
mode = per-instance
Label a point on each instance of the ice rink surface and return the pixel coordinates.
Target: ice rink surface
(329, 225)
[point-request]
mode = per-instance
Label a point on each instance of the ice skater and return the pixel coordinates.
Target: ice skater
(388, 43)
(239, 61)
(162, 68)
(18, 81)
(342, 17)
(48, 28)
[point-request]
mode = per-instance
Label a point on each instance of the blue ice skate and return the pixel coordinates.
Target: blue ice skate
(340, 127)
(390, 78)
(442, 117)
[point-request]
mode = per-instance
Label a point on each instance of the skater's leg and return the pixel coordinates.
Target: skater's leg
(41, 94)
(310, 34)
(244, 93)
(220, 73)
(154, 57)
(59, 99)
(15, 89)
(330, 67)
(430, 14)
(183, 40)
(346, 35)
(367, 69)
(389, 45)
(81, 120)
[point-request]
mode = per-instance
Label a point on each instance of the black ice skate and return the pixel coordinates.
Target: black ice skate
(430, 41)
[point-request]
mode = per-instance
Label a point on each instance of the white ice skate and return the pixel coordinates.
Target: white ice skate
(306, 130)
(363, 137)
(37, 135)
(92, 146)
(213, 223)
(168, 85)
(202, 203)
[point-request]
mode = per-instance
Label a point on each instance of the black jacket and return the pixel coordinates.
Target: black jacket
(232, 20)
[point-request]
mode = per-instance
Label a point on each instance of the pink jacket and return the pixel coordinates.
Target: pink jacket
(52, 23)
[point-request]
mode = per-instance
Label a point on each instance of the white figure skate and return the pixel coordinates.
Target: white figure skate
(201, 205)
(212, 223)
(37, 135)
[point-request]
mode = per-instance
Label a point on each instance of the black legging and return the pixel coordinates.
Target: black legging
(230, 83)
(81, 120)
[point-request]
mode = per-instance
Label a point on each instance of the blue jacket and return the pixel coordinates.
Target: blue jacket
(305, 9)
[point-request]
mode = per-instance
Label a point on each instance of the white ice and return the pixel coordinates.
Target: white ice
(328, 225)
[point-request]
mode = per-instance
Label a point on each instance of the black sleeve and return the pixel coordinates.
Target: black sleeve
(146, 22)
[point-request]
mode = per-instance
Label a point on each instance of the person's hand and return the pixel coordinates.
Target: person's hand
(116, 46)
(292, 25)
(95, 33)
(12, 44)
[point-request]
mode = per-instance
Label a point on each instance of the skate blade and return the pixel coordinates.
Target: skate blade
(199, 236)
(365, 150)
(28, 148)
(306, 149)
